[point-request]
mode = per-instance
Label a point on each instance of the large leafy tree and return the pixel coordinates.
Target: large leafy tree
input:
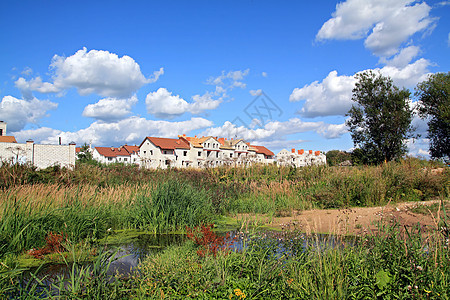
(380, 120)
(434, 104)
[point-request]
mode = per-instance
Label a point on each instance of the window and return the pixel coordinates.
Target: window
(151, 152)
(109, 158)
(145, 152)
(217, 154)
(184, 153)
(125, 159)
(199, 153)
(231, 155)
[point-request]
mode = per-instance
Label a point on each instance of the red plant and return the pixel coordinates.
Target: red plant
(209, 243)
(53, 244)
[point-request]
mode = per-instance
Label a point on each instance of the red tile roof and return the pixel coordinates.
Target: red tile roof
(262, 150)
(111, 151)
(168, 144)
(7, 139)
(131, 149)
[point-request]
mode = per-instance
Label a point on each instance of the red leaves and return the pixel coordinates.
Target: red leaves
(209, 243)
(53, 241)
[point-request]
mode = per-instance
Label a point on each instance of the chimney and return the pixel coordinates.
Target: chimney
(293, 150)
(301, 151)
(317, 153)
(310, 151)
(195, 136)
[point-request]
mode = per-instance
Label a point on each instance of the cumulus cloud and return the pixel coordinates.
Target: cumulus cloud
(110, 109)
(275, 130)
(264, 74)
(163, 104)
(203, 102)
(18, 112)
(403, 58)
(384, 24)
(96, 71)
(35, 84)
(131, 131)
(333, 95)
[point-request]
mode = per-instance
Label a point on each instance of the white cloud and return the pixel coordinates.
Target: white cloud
(27, 71)
(385, 24)
(333, 95)
(408, 76)
(330, 97)
(35, 84)
(163, 104)
(403, 58)
(131, 131)
(255, 92)
(96, 71)
(228, 81)
(203, 102)
(18, 112)
(277, 130)
(110, 109)
(264, 74)
(418, 147)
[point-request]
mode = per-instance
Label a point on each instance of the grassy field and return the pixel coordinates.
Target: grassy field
(84, 204)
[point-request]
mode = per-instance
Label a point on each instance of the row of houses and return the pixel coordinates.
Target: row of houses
(157, 152)
(198, 152)
(301, 158)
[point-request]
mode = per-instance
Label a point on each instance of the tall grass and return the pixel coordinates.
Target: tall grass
(395, 263)
(29, 212)
(86, 202)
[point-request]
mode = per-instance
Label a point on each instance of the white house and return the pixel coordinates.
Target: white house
(162, 153)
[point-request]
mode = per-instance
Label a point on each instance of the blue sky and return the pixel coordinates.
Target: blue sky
(278, 74)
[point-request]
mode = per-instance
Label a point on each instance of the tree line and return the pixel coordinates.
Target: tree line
(380, 119)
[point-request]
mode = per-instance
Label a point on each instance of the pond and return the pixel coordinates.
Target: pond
(135, 249)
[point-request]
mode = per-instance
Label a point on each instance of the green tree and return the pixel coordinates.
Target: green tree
(335, 157)
(380, 120)
(434, 104)
(85, 155)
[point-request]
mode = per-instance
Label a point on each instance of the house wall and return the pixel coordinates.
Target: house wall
(40, 156)
(102, 159)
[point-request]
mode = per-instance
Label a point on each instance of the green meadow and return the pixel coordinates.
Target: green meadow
(63, 216)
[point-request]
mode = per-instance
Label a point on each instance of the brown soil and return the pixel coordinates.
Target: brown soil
(350, 221)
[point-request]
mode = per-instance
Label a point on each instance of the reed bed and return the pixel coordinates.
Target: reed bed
(395, 263)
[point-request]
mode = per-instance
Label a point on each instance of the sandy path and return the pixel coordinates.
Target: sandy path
(348, 221)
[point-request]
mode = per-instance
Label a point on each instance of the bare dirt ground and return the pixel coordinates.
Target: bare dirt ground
(351, 221)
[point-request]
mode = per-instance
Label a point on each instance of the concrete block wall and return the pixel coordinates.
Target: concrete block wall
(41, 156)
(13, 153)
(50, 155)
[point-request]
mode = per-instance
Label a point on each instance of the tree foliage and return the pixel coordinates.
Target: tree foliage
(380, 120)
(336, 157)
(85, 155)
(434, 104)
